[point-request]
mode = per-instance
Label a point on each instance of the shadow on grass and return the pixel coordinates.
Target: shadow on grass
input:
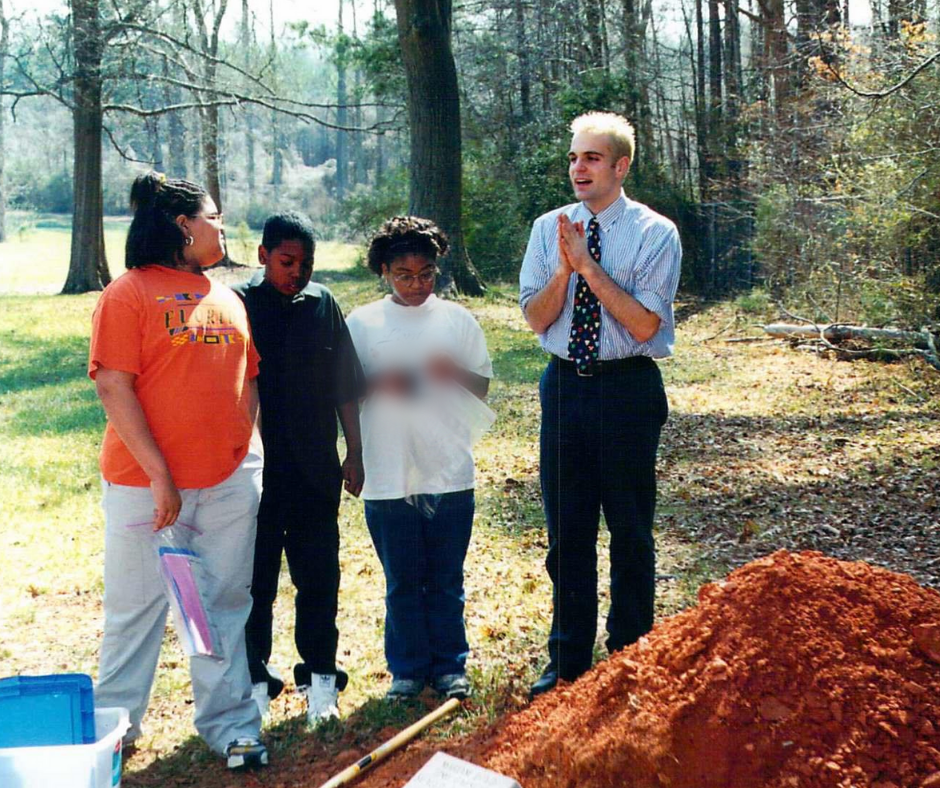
(51, 393)
(83, 413)
(30, 364)
(298, 756)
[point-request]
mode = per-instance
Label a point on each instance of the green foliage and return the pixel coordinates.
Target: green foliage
(379, 56)
(755, 302)
(598, 91)
(495, 229)
(244, 244)
(365, 209)
(47, 193)
(256, 214)
(541, 171)
(854, 229)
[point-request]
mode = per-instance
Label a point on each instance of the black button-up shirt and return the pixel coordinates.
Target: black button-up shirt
(308, 368)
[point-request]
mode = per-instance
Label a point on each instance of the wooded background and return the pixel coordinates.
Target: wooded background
(798, 151)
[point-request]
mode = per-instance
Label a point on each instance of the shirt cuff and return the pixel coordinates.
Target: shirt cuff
(654, 303)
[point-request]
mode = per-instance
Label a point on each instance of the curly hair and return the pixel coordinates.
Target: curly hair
(154, 237)
(403, 235)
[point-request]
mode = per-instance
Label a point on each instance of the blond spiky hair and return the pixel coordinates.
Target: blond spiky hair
(616, 127)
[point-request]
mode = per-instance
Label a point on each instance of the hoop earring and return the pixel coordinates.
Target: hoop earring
(189, 240)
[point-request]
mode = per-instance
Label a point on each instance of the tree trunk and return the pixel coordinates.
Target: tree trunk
(595, 46)
(210, 152)
(701, 106)
(776, 52)
(249, 112)
(342, 157)
(359, 168)
(276, 161)
(732, 52)
(156, 145)
(631, 54)
(424, 30)
(714, 76)
(522, 53)
(88, 266)
(4, 40)
(838, 332)
(209, 40)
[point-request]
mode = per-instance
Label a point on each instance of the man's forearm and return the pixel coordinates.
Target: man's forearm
(545, 306)
(623, 307)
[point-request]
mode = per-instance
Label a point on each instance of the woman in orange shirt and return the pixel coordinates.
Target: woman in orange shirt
(174, 366)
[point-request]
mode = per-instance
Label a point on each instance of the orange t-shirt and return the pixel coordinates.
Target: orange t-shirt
(187, 340)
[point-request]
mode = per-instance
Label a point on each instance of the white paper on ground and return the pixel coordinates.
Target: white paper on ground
(446, 771)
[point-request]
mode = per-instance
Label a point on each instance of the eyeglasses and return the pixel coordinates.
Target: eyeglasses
(425, 278)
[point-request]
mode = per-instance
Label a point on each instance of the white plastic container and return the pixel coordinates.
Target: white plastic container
(95, 765)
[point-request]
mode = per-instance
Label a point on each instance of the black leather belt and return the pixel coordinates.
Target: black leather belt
(605, 367)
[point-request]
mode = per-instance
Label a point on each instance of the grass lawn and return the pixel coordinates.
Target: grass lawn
(765, 447)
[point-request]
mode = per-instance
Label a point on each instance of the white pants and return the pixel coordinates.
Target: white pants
(135, 607)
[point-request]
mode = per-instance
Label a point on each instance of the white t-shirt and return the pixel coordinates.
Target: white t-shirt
(422, 443)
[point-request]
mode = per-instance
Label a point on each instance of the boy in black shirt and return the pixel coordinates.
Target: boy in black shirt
(309, 374)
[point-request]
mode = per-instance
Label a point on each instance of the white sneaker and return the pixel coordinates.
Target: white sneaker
(259, 694)
(322, 696)
(246, 753)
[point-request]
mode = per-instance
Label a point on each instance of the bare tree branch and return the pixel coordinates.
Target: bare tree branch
(873, 94)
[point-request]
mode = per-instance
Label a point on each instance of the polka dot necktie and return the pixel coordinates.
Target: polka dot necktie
(583, 342)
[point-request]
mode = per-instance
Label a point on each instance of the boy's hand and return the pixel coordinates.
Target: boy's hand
(353, 473)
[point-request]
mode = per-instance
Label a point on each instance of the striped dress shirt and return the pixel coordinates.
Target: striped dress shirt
(640, 251)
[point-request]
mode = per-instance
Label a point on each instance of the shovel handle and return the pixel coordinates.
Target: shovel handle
(383, 750)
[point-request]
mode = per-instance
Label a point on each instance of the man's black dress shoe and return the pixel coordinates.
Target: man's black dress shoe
(546, 682)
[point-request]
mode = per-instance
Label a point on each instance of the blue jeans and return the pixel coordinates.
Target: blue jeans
(424, 597)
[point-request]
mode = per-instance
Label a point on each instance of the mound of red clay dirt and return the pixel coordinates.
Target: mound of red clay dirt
(798, 670)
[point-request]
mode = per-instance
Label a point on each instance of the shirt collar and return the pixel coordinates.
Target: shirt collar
(266, 287)
(609, 216)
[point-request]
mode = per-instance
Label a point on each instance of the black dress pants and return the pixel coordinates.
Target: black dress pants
(599, 438)
(299, 519)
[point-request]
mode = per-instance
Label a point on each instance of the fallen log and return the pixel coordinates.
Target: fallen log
(919, 343)
(839, 332)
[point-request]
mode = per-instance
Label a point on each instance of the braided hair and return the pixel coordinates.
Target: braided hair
(403, 235)
(154, 237)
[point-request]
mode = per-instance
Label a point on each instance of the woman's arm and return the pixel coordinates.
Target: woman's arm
(116, 392)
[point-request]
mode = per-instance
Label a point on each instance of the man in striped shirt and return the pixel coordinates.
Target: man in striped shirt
(597, 285)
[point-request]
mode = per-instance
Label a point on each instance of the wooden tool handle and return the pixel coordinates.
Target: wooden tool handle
(383, 750)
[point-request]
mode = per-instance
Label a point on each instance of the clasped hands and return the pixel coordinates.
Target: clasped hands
(573, 254)
(440, 368)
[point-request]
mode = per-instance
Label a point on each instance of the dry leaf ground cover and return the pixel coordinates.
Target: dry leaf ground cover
(765, 448)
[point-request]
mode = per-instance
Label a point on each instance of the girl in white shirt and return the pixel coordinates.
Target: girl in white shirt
(428, 370)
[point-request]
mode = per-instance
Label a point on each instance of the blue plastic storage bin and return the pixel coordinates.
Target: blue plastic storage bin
(44, 711)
